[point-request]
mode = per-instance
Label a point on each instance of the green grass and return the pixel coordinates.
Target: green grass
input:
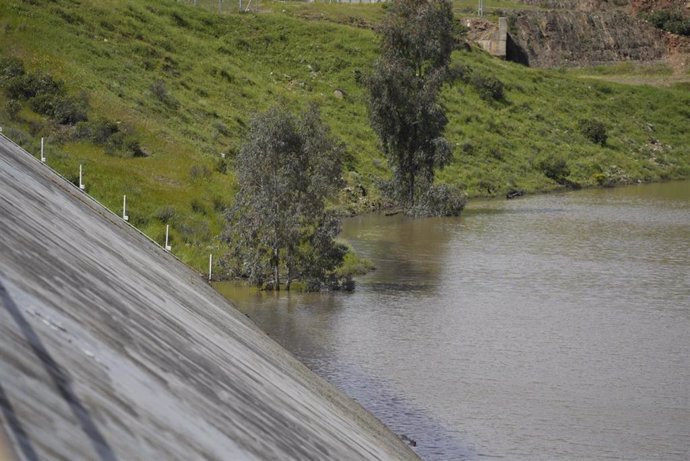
(220, 69)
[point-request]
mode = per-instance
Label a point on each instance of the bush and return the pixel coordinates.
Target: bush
(219, 205)
(197, 206)
(222, 166)
(123, 145)
(555, 168)
(97, 131)
(594, 130)
(62, 109)
(160, 91)
(27, 86)
(440, 200)
(461, 72)
(46, 95)
(489, 87)
(10, 68)
(164, 214)
(670, 20)
(199, 172)
(12, 107)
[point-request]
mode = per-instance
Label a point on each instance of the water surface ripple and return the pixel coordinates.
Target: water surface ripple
(549, 328)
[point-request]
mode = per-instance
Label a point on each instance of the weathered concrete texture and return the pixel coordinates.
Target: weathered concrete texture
(111, 349)
(491, 39)
(571, 38)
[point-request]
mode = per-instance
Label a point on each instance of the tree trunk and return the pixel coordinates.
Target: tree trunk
(276, 271)
(288, 258)
(411, 191)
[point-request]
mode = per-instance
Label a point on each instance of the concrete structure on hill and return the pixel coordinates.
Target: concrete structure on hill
(494, 40)
(111, 349)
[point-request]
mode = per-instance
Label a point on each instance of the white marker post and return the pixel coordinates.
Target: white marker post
(124, 208)
(210, 266)
(81, 183)
(43, 159)
(167, 233)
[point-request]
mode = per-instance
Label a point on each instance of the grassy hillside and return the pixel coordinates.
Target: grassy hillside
(184, 83)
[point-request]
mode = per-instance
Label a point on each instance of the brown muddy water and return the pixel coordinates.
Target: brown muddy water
(553, 327)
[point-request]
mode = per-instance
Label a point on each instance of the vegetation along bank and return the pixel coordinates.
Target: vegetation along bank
(154, 100)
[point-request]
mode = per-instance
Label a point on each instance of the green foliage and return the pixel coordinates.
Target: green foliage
(199, 172)
(97, 131)
(594, 130)
(488, 87)
(287, 168)
(555, 167)
(160, 90)
(61, 108)
(440, 200)
(121, 47)
(416, 44)
(165, 214)
(669, 20)
(122, 144)
(13, 107)
(46, 96)
(222, 166)
(10, 68)
(26, 86)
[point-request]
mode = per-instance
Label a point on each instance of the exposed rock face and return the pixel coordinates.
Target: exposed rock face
(646, 6)
(577, 38)
(578, 5)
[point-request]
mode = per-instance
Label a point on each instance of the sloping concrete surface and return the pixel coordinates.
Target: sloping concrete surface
(111, 349)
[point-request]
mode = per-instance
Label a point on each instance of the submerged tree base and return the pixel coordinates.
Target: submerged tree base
(439, 200)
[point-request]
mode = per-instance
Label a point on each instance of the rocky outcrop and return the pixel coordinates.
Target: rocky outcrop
(578, 5)
(578, 38)
(647, 6)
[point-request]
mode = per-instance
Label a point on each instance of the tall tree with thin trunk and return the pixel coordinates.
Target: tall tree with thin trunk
(416, 44)
(279, 226)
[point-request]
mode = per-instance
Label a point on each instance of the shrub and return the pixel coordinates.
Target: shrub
(199, 172)
(193, 231)
(461, 72)
(670, 20)
(489, 87)
(197, 206)
(27, 86)
(359, 78)
(63, 109)
(97, 131)
(13, 107)
(160, 91)
(219, 205)
(123, 145)
(164, 214)
(222, 128)
(594, 130)
(440, 200)
(10, 68)
(556, 168)
(222, 166)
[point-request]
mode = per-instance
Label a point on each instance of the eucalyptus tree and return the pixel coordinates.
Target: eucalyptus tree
(279, 226)
(416, 41)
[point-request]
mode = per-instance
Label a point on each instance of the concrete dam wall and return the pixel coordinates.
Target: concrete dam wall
(111, 349)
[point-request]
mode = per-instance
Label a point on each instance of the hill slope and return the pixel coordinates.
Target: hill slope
(184, 81)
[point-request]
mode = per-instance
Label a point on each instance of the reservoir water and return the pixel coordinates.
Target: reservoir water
(553, 327)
